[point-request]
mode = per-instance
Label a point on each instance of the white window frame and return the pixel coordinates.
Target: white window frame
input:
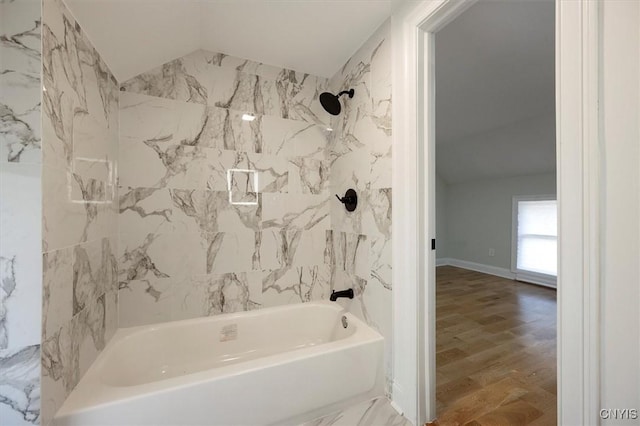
(520, 274)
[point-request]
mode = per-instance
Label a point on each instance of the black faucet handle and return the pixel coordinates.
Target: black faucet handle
(346, 199)
(350, 200)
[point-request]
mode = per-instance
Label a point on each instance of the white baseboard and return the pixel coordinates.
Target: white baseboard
(395, 407)
(539, 279)
(478, 267)
(443, 261)
(398, 400)
(532, 278)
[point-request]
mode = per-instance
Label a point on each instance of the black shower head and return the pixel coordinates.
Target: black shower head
(331, 102)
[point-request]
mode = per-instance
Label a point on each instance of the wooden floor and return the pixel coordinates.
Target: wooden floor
(495, 350)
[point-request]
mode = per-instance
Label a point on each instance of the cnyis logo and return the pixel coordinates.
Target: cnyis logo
(619, 413)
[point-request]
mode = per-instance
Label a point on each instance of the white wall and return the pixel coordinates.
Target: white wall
(478, 216)
(620, 373)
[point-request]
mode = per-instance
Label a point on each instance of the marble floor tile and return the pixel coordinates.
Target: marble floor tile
(375, 412)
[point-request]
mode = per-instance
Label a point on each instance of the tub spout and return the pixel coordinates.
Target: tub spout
(344, 293)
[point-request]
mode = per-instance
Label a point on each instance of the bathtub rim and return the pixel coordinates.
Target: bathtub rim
(123, 333)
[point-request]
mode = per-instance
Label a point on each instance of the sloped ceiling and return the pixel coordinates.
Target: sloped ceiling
(495, 91)
(312, 36)
(494, 64)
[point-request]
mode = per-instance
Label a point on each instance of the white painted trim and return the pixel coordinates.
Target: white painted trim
(579, 200)
(538, 279)
(527, 277)
(578, 82)
(485, 269)
(443, 261)
(413, 304)
(395, 407)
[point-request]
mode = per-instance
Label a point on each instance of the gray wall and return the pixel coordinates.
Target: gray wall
(441, 217)
(477, 216)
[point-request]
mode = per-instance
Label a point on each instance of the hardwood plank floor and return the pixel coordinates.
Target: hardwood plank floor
(495, 350)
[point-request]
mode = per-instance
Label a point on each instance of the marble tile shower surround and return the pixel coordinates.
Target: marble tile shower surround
(200, 235)
(20, 211)
(186, 249)
(359, 153)
(227, 214)
(223, 81)
(20, 80)
(80, 205)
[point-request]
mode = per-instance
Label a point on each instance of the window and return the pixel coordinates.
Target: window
(535, 236)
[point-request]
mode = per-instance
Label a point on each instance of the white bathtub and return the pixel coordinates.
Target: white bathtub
(251, 368)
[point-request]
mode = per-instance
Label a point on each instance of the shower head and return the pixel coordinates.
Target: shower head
(331, 102)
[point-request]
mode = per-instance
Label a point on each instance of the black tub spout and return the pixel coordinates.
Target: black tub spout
(344, 293)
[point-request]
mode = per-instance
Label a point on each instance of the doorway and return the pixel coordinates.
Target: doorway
(577, 83)
(496, 221)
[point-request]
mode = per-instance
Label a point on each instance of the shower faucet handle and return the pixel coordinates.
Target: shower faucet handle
(345, 199)
(350, 200)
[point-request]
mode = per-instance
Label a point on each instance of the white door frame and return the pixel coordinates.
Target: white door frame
(579, 195)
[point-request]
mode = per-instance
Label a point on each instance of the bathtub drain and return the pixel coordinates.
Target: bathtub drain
(345, 323)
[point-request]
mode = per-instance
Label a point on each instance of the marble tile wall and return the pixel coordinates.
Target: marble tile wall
(359, 153)
(378, 412)
(20, 211)
(218, 214)
(168, 204)
(79, 203)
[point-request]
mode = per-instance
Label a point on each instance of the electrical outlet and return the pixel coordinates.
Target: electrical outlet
(492, 252)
